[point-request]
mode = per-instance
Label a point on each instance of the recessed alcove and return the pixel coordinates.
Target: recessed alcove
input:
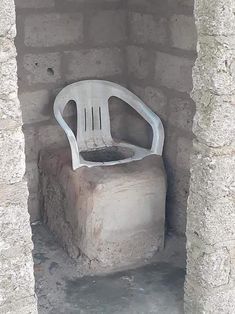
(148, 47)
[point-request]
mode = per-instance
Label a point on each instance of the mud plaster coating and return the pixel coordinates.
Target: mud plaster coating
(112, 215)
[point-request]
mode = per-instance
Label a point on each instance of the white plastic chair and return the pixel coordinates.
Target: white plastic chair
(93, 123)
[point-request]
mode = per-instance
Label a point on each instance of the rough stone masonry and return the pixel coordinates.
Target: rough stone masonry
(210, 282)
(210, 286)
(16, 265)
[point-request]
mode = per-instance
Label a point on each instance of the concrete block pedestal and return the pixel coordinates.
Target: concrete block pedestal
(114, 215)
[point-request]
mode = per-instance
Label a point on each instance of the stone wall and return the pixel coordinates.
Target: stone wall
(160, 56)
(16, 265)
(60, 42)
(210, 282)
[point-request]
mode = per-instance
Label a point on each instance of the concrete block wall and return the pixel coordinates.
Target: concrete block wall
(160, 54)
(59, 42)
(146, 45)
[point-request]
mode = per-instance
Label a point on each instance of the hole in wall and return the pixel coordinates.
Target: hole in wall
(50, 71)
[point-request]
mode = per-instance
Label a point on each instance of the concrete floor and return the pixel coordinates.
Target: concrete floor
(61, 286)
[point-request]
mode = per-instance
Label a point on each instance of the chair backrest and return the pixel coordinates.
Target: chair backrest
(93, 120)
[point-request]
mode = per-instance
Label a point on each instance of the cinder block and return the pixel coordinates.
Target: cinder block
(12, 157)
(31, 143)
(34, 105)
(7, 49)
(49, 30)
(32, 176)
(174, 72)
(70, 109)
(34, 4)
(219, 224)
(7, 19)
(184, 148)
(10, 111)
(153, 97)
(25, 304)
(181, 5)
(34, 207)
(14, 216)
(214, 127)
(147, 28)
(8, 77)
(170, 150)
(107, 27)
(16, 245)
(177, 195)
(178, 186)
(139, 62)
(213, 268)
(216, 173)
(183, 32)
(127, 125)
(232, 257)
(51, 136)
(16, 271)
(98, 1)
(176, 216)
(207, 25)
(97, 63)
(189, 3)
(181, 113)
(157, 6)
(42, 136)
(42, 68)
(196, 296)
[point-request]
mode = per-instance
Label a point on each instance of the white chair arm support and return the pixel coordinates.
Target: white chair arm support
(58, 111)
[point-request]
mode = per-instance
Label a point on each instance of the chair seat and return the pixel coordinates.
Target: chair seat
(119, 153)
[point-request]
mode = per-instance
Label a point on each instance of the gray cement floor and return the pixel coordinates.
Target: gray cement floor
(61, 286)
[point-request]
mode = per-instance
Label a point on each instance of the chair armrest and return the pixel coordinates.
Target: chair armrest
(59, 105)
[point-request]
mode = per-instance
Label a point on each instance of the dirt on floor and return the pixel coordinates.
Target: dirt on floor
(67, 286)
